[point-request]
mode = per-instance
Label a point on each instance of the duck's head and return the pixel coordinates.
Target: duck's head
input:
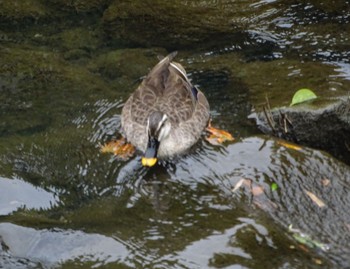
(158, 128)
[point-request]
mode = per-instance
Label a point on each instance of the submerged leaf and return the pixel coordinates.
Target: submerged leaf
(274, 186)
(314, 198)
(238, 184)
(306, 240)
(289, 145)
(317, 261)
(302, 95)
(325, 182)
(257, 190)
(242, 181)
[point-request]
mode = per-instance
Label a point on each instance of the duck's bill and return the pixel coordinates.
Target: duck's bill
(149, 162)
(150, 157)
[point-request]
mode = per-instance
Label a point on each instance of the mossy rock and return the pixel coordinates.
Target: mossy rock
(80, 6)
(85, 38)
(32, 80)
(131, 63)
(170, 24)
(17, 11)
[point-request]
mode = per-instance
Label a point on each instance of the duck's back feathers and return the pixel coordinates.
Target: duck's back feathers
(166, 89)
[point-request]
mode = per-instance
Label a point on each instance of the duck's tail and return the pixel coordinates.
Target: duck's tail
(159, 75)
(168, 58)
(178, 67)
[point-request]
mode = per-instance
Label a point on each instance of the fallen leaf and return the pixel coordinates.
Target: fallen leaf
(274, 186)
(242, 181)
(110, 147)
(347, 225)
(120, 148)
(238, 185)
(257, 190)
(325, 182)
(265, 204)
(289, 145)
(305, 240)
(218, 136)
(302, 96)
(304, 248)
(213, 140)
(317, 261)
(314, 198)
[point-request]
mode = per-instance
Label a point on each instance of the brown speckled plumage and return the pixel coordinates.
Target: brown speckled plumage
(166, 89)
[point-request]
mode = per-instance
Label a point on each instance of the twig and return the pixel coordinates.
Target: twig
(268, 115)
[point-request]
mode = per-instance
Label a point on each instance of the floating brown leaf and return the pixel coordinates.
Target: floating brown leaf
(218, 136)
(119, 148)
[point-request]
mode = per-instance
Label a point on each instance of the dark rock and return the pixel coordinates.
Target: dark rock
(326, 127)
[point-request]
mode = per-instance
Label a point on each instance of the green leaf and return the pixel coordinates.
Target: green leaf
(306, 240)
(274, 186)
(302, 95)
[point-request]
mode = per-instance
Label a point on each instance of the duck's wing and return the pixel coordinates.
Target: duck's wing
(149, 94)
(186, 104)
(166, 88)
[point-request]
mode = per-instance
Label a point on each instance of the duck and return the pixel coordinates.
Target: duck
(166, 114)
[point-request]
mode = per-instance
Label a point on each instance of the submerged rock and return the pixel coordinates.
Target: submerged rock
(132, 63)
(80, 6)
(14, 11)
(170, 24)
(31, 80)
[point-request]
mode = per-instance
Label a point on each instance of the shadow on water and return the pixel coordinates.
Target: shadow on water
(63, 204)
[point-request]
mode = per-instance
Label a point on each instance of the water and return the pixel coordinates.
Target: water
(63, 204)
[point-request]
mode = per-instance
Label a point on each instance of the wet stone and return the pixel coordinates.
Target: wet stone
(326, 127)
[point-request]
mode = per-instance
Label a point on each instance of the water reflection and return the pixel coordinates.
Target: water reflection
(51, 248)
(343, 70)
(17, 194)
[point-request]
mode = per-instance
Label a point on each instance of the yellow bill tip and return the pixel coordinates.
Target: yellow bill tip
(148, 161)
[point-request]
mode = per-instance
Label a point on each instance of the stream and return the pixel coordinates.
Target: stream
(257, 202)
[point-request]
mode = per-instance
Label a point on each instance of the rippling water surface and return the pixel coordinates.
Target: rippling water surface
(63, 204)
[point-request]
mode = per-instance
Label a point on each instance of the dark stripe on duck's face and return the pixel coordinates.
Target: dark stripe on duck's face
(155, 122)
(150, 157)
(195, 92)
